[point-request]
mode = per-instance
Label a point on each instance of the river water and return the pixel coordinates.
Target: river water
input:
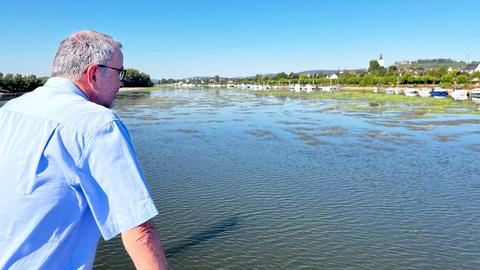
(259, 182)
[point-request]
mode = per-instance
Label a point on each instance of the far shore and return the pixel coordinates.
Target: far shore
(170, 86)
(130, 89)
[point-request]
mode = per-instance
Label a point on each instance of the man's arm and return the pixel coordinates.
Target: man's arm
(144, 247)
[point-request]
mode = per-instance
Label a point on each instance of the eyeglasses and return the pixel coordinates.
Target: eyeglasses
(121, 71)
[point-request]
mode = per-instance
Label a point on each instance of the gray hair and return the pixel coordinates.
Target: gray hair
(80, 50)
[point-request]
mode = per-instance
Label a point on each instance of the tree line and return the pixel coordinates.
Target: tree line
(135, 78)
(18, 83)
(367, 79)
(375, 75)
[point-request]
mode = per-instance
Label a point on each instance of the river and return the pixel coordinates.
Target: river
(259, 182)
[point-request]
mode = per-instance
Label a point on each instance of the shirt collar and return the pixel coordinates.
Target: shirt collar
(66, 84)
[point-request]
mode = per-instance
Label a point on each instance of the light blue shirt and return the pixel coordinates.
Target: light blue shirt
(68, 174)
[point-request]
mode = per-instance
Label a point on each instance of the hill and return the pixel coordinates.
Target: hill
(426, 64)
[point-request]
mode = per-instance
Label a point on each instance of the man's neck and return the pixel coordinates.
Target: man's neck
(84, 87)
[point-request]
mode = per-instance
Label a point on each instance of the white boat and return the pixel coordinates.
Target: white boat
(308, 88)
(425, 92)
(459, 94)
(475, 93)
(327, 88)
(398, 91)
(410, 92)
(389, 91)
(297, 88)
(266, 87)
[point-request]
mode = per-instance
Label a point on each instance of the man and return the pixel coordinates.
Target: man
(68, 171)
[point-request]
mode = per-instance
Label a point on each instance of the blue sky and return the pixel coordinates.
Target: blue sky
(178, 39)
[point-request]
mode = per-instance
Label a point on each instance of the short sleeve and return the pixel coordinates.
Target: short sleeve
(113, 183)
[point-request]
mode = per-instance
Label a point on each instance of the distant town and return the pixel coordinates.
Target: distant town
(445, 73)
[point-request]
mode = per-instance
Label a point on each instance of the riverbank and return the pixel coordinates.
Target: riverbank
(130, 89)
(384, 102)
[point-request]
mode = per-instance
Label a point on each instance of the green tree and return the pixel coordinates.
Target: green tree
(293, 75)
(303, 79)
(281, 75)
(406, 78)
(392, 70)
(135, 78)
(462, 79)
(18, 83)
(367, 80)
(8, 82)
(446, 79)
(258, 78)
(375, 68)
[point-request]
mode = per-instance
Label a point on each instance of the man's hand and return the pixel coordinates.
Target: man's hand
(144, 247)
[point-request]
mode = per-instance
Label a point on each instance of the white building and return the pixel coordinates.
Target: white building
(332, 76)
(380, 61)
(476, 69)
(472, 68)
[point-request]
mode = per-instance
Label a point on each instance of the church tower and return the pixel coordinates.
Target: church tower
(380, 60)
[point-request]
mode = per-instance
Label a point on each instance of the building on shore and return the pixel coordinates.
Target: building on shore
(380, 61)
(332, 76)
(472, 68)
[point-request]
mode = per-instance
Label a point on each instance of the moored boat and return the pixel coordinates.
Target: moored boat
(425, 92)
(327, 88)
(297, 88)
(475, 93)
(389, 91)
(439, 93)
(398, 91)
(308, 88)
(410, 92)
(459, 94)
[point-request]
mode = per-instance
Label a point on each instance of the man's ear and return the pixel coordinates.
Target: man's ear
(91, 76)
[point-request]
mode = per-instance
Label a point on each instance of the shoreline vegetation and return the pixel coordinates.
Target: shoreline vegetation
(368, 99)
(371, 101)
(146, 89)
(423, 73)
(19, 84)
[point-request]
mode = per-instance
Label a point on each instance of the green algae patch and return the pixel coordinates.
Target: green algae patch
(445, 138)
(187, 130)
(262, 133)
(395, 138)
(316, 143)
(384, 102)
(458, 122)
